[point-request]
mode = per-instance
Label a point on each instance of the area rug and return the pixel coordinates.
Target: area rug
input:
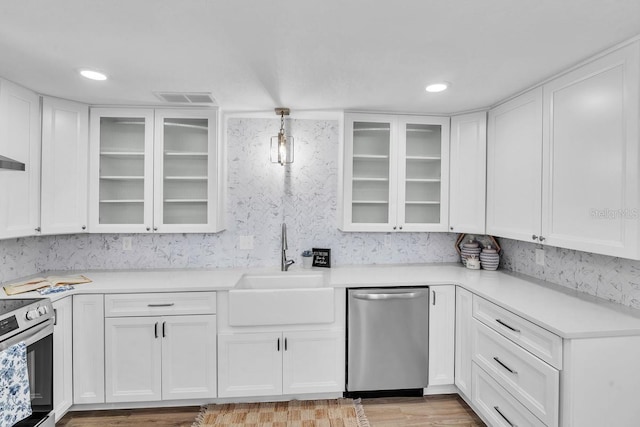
(296, 413)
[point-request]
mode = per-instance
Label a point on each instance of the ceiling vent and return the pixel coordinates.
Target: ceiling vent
(186, 97)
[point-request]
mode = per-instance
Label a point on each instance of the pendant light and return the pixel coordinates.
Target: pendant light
(282, 145)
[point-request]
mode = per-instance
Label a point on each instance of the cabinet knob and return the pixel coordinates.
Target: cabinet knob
(84, 227)
(451, 228)
(541, 238)
(400, 227)
(148, 228)
(534, 237)
(155, 228)
(38, 229)
(394, 227)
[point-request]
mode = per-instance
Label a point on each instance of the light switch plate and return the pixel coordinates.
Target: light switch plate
(245, 243)
(540, 257)
(127, 244)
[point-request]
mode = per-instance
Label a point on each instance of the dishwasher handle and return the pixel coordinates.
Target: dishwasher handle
(388, 296)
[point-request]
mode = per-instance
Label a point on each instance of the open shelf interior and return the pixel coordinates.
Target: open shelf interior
(370, 186)
(423, 140)
(186, 170)
(122, 143)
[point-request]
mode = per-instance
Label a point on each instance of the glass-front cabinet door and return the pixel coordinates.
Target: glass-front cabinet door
(121, 169)
(185, 179)
(395, 175)
(371, 169)
(423, 173)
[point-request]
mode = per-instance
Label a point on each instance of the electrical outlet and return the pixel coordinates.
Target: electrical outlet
(127, 243)
(245, 243)
(387, 240)
(540, 257)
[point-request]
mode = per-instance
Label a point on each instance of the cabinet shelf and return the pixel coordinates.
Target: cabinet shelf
(185, 178)
(422, 202)
(371, 179)
(423, 180)
(370, 202)
(187, 125)
(122, 178)
(122, 201)
(423, 157)
(371, 156)
(186, 154)
(185, 200)
(122, 153)
(372, 129)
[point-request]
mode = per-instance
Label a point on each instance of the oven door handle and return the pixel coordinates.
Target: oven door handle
(30, 336)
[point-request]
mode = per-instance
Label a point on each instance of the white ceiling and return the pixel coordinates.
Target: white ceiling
(254, 55)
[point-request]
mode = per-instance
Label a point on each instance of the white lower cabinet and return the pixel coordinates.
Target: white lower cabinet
(62, 356)
(88, 349)
(497, 405)
(442, 311)
(464, 316)
(160, 358)
(163, 357)
(273, 363)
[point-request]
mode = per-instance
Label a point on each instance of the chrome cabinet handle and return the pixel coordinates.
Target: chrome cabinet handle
(278, 345)
(155, 329)
(507, 326)
(434, 298)
(405, 295)
(505, 418)
(169, 304)
(505, 366)
(164, 335)
(285, 344)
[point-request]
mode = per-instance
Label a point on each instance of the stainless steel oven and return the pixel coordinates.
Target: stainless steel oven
(31, 321)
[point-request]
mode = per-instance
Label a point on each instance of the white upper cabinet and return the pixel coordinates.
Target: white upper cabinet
(468, 173)
(154, 171)
(19, 140)
(185, 172)
(591, 179)
(514, 162)
(65, 166)
(563, 160)
(121, 170)
(396, 171)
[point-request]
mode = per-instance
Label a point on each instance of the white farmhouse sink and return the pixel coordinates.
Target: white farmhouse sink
(281, 299)
(283, 280)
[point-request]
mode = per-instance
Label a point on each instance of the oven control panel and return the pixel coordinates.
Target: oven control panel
(36, 312)
(7, 325)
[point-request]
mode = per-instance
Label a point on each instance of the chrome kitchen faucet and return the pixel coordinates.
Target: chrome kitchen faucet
(284, 262)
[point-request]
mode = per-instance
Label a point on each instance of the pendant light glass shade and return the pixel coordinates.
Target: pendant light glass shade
(282, 144)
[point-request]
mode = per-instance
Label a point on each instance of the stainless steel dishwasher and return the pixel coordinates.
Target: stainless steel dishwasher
(388, 339)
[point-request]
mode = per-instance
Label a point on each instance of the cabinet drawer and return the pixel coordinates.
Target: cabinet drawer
(497, 405)
(530, 380)
(159, 304)
(544, 344)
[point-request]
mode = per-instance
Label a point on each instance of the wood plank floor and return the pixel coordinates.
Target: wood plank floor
(428, 411)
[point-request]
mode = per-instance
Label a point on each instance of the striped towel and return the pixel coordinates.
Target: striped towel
(15, 397)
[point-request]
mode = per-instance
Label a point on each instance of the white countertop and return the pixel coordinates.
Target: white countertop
(567, 313)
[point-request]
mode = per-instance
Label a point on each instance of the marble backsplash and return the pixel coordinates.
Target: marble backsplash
(260, 196)
(610, 278)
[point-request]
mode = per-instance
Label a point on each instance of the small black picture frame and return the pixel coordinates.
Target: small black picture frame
(321, 257)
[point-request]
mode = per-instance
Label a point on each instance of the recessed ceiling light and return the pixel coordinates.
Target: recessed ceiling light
(93, 75)
(437, 87)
